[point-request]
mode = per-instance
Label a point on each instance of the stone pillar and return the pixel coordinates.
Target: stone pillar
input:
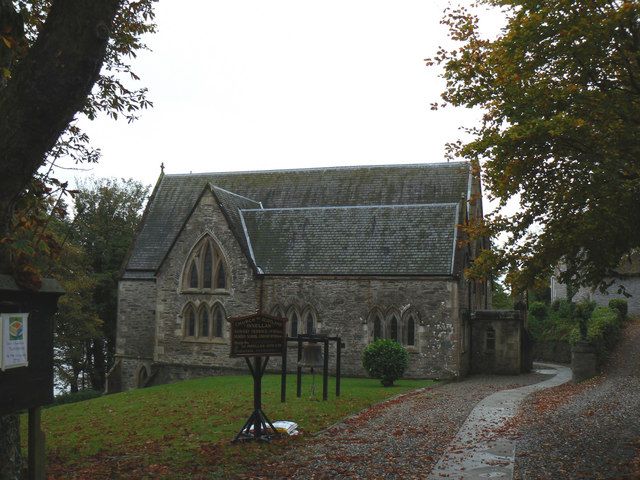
(583, 361)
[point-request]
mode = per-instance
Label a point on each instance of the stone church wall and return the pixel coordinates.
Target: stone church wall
(136, 327)
(240, 299)
(343, 307)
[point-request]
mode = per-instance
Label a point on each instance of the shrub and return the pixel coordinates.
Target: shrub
(386, 360)
(538, 310)
(582, 314)
(620, 305)
(538, 320)
(565, 309)
(603, 331)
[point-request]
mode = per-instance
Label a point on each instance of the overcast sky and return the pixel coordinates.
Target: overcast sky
(253, 85)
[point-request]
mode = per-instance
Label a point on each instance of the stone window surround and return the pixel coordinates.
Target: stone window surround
(301, 313)
(403, 320)
(197, 255)
(410, 312)
(197, 309)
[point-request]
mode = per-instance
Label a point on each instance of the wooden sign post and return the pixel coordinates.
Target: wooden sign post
(259, 336)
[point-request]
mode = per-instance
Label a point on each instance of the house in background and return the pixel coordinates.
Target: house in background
(356, 252)
(627, 274)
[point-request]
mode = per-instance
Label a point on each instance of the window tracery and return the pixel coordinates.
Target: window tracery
(205, 268)
(204, 322)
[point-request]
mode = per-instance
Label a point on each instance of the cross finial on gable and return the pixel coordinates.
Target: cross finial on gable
(162, 167)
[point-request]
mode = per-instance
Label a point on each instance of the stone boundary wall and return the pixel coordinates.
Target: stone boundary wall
(554, 351)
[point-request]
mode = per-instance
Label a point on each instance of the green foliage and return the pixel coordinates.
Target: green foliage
(560, 93)
(620, 305)
(582, 313)
(537, 317)
(603, 331)
(552, 324)
(189, 426)
(565, 308)
(90, 251)
(564, 320)
(538, 309)
(76, 322)
(500, 299)
(107, 214)
(76, 397)
(385, 359)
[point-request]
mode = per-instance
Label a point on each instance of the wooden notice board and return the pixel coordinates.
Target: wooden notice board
(27, 382)
(257, 335)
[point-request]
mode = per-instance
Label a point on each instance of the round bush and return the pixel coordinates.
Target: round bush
(386, 360)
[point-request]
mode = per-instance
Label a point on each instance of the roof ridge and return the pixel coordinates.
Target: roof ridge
(308, 169)
(344, 207)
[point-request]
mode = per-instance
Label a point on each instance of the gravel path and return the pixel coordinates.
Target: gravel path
(398, 439)
(589, 430)
(484, 447)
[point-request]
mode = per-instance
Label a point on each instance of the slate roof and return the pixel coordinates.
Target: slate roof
(231, 203)
(176, 196)
(367, 240)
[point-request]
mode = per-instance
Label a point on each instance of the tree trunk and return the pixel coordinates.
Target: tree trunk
(47, 88)
(98, 372)
(10, 458)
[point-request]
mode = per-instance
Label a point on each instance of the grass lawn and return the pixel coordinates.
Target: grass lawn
(184, 429)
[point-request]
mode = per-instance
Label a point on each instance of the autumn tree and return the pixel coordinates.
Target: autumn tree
(57, 58)
(560, 134)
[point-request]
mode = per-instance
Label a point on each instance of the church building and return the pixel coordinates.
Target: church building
(358, 252)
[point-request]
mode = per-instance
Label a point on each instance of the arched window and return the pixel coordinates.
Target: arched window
(310, 323)
(293, 320)
(189, 319)
(409, 322)
(411, 331)
(203, 321)
(143, 376)
(206, 270)
(218, 321)
(377, 326)
(393, 328)
(277, 311)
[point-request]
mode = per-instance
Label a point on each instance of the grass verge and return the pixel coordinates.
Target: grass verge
(184, 429)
